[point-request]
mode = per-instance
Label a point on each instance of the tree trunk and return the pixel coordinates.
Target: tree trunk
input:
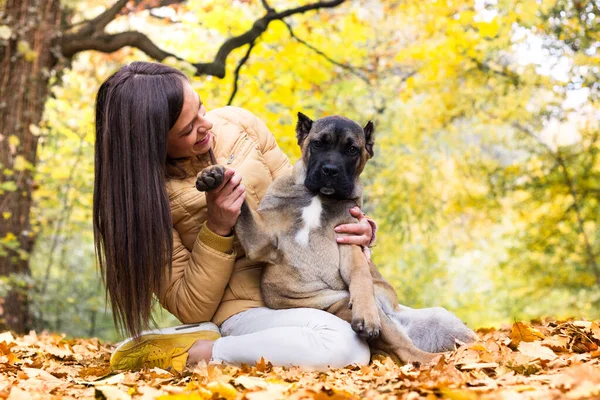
(26, 64)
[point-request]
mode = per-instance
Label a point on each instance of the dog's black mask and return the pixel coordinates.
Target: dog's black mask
(333, 153)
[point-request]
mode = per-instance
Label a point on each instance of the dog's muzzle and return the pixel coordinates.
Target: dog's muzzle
(329, 179)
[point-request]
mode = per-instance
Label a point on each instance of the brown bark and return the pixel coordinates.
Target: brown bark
(26, 61)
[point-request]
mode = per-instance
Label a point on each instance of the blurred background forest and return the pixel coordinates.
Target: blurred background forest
(486, 179)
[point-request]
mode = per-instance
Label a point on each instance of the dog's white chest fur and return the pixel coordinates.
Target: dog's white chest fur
(311, 215)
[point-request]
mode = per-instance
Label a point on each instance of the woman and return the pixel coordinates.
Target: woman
(155, 234)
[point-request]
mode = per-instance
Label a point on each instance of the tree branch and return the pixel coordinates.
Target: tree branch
(237, 72)
(111, 43)
(98, 24)
(217, 66)
(267, 7)
(78, 42)
(156, 4)
(573, 192)
(514, 78)
(347, 67)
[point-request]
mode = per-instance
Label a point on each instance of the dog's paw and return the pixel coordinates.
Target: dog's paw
(210, 178)
(435, 329)
(367, 328)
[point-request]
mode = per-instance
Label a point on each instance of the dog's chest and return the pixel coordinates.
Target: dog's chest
(310, 246)
(308, 221)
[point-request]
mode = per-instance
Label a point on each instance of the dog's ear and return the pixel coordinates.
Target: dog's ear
(369, 137)
(303, 127)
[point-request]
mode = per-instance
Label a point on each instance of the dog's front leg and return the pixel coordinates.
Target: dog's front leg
(255, 238)
(354, 269)
(250, 230)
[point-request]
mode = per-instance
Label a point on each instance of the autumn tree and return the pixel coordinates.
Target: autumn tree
(486, 175)
(37, 39)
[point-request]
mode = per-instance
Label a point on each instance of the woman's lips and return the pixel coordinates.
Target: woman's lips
(204, 140)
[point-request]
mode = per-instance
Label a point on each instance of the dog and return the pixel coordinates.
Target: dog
(293, 231)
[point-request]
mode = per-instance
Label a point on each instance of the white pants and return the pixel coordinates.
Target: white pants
(304, 337)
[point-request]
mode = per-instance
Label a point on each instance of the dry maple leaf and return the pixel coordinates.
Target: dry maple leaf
(521, 332)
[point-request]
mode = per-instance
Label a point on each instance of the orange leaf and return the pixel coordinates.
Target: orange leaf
(261, 365)
(521, 332)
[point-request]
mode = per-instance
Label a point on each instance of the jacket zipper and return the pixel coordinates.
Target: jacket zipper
(236, 148)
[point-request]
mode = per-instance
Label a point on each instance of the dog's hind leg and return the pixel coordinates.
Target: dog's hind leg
(434, 329)
(392, 340)
(430, 329)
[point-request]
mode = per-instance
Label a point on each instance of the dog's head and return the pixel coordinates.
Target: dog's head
(334, 152)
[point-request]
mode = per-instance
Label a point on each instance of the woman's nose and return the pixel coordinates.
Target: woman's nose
(206, 124)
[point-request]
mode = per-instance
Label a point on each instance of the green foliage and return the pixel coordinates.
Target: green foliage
(486, 179)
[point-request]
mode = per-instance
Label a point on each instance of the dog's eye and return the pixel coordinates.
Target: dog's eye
(353, 150)
(317, 143)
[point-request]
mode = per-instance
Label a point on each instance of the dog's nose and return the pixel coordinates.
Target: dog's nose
(330, 170)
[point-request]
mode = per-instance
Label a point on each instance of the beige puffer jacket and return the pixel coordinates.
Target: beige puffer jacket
(211, 278)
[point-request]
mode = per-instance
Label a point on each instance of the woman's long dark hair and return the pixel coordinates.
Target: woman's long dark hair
(135, 108)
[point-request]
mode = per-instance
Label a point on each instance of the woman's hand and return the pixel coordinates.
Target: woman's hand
(360, 233)
(224, 204)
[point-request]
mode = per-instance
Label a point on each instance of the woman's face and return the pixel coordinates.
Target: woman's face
(190, 136)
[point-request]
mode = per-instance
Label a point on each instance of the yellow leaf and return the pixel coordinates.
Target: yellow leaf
(24, 48)
(187, 396)
(457, 394)
(14, 140)
(223, 389)
(20, 163)
(9, 237)
(521, 332)
(6, 215)
(488, 29)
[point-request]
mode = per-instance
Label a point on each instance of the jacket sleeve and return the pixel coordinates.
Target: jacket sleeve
(198, 278)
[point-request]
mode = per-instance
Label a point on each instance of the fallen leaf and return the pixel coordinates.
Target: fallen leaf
(59, 352)
(222, 389)
(17, 393)
(521, 332)
(455, 394)
(109, 379)
(557, 343)
(110, 393)
(467, 367)
(40, 374)
(583, 324)
(595, 328)
(537, 351)
(7, 337)
(250, 383)
(584, 390)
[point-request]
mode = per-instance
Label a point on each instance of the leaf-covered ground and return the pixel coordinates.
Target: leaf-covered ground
(549, 360)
